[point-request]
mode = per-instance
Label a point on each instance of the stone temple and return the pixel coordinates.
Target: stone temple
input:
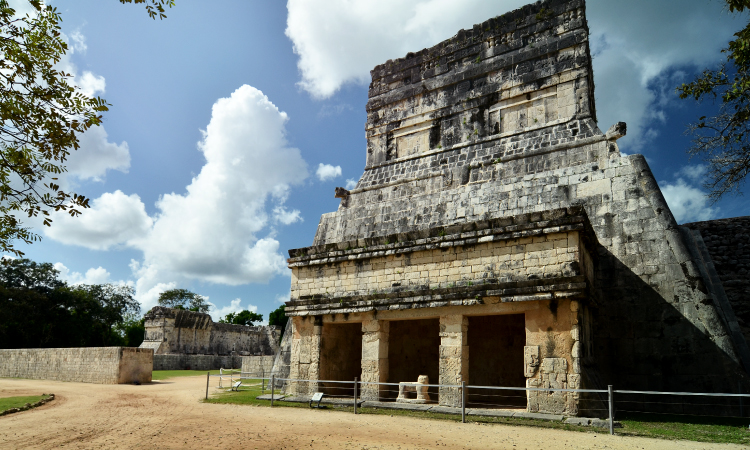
(498, 237)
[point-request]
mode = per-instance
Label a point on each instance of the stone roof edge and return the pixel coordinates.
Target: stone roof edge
(504, 228)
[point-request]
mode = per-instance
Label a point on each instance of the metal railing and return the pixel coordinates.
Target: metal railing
(600, 402)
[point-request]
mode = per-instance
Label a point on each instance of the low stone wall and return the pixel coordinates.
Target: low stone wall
(196, 362)
(260, 365)
(101, 365)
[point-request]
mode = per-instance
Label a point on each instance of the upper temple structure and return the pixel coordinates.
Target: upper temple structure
(498, 237)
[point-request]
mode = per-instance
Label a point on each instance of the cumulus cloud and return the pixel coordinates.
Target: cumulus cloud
(99, 275)
(351, 183)
(327, 172)
(688, 202)
(214, 231)
(636, 44)
(113, 219)
(97, 155)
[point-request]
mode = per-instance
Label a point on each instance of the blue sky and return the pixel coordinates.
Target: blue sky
(208, 166)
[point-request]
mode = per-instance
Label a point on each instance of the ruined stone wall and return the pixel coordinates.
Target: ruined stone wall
(258, 365)
(196, 362)
(728, 243)
(174, 331)
(101, 365)
(499, 122)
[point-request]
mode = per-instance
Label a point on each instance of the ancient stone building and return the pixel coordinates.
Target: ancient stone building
(498, 237)
(186, 339)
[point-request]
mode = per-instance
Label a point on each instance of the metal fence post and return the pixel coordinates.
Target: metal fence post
(355, 395)
(611, 409)
(273, 385)
(463, 401)
(208, 374)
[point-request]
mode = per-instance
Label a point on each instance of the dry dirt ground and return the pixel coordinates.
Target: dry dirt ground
(169, 414)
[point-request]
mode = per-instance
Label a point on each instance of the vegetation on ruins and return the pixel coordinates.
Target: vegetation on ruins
(278, 317)
(244, 317)
(40, 310)
(184, 299)
(724, 139)
(43, 114)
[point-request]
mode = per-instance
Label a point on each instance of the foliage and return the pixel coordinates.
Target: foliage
(724, 139)
(184, 299)
(278, 317)
(39, 310)
(244, 317)
(42, 114)
(153, 7)
(132, 329)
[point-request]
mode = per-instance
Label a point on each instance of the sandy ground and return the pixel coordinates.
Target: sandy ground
(168, 414)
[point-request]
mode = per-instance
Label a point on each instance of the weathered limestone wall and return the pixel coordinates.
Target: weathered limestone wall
(101, 365)
(196, 362)
(174, 331)
(260, 365)
(728, 243)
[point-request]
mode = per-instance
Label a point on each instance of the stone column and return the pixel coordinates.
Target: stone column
(375, 334)
(454, 357)
(305, 360)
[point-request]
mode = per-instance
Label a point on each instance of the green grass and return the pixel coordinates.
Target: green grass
(17, 402)
(709, 429)
(728, 430)
(164, 374)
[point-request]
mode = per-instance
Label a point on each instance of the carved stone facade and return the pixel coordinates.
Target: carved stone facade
(498, 237)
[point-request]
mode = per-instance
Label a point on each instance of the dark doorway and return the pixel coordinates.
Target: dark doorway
(413, 350)
(496, 359)
(340, 357)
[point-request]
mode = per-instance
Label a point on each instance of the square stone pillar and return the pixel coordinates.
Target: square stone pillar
(305, 358)
(454, 357)
(375, 334)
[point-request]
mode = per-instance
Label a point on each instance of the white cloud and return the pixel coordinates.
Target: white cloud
(113, 219)
(687, 202)
(99, 275)
(351, 183)
(281, 214)
(636, 43)
(78, 41)
(234, 306)
(214, 231)
(327, 172)
(91, 84)
(97, 155)
(283, 298)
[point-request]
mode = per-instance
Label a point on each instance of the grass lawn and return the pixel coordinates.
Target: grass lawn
(164, 374)
(713, 429)
(7, 403)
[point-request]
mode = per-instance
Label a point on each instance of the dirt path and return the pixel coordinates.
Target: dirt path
(168, 414)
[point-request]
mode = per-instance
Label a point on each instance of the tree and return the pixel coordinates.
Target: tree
(184, 299)
(244, 317)
(723, 139)
(42, 113)
(39, 310)
(278, 317)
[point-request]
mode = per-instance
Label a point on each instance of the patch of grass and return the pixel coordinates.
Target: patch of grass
(7, 403)
(700, 429)
(730, 430)
(164, 374)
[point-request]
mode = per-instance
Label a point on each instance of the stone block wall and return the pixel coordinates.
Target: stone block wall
(101, 365)
(728, 243)
(258, 365)
(196, 362)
